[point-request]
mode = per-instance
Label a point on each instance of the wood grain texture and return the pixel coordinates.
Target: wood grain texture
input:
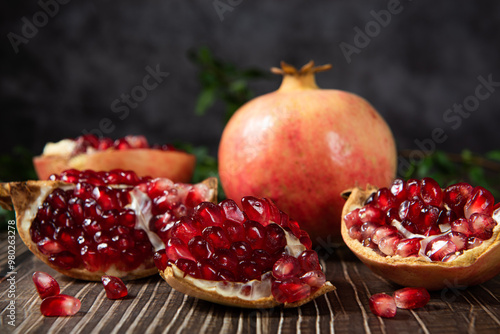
(153, 307)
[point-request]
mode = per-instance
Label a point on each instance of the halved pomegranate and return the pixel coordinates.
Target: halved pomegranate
(417, 234)
(87, 224)
(103, 154)
(255, 258)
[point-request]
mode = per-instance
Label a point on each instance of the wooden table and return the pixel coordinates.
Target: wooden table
(153, 307)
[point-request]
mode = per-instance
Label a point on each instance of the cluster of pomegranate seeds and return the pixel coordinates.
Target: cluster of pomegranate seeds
(53, 303)
(384, 305)
(418, 218)
(92, 142)
(114, 287)
(91, 224)
(223, 243)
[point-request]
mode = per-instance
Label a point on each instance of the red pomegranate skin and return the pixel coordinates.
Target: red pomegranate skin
(301, 146)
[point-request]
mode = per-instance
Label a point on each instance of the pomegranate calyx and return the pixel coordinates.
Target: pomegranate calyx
(294, 79)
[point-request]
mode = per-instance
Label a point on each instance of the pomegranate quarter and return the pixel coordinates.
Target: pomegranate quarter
(254, 258)
(104, 154)
(416, 234)
(87, 224)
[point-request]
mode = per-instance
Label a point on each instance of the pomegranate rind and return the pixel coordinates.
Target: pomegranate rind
(25, 197)
(474, 266)
(179, 283)
(174, 165)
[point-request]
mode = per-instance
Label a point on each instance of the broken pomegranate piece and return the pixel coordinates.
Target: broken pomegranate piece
(115, 288)
(410, 298)
(104, 154)
(382, 305)
(429, 236)
(258, 258)
(87, 224)
(60, 306)
(45, 284)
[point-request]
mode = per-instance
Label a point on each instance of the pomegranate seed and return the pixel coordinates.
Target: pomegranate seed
(208, 270)
(370, 213)
(286, 267)
(232, 211)
(305, 239)
(446, 217)
(235, 231)
(176, 249)
(382, 232)
(473, 242)
(274, 238)
(249, 270)
(355, 233)
(352, 219)
(254, 234)
(256, 209)
(398, 190)
(367, 230)
(290, 290)
(456, 195)
(216, 237)
(60, 306)
(160, 258)
(410, 298)
(241, 249)
(480, 201)
(209, 214)
(114, 286)
(188, 267)
(482, 225)
(45, 284)
(314, 278)
(185, 229)
(382, 305)
(200, 248)
(408, 247)
(263, 259)
(459, 240)
(225, 259)
(461, 225)
(388, 244)
(440, 247)
(226, 275)
(430, 192)
(384, 199)
(309, 260)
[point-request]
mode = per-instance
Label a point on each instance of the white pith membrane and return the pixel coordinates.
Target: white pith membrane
(444, 228)
(250, 291)
(140, 203)
(62, 148)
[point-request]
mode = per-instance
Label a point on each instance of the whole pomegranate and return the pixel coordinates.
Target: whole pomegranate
(301, 146)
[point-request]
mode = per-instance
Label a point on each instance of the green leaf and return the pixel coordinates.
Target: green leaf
(493, 155)
(205, 100)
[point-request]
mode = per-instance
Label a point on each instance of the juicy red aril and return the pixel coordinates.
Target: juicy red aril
(410, 298)
(232, 211)
(225, 259)
(176, 249)
(274, 238)
(384, 199)
(160, 259)
(256, 209)
(352, 219)
(314, 278)
(249, 270)
(430, 192)
(456, 195)
(482, 225)
(45, 284)
(210, 214)
(412, 188)
(440, 248)
(234, 230)
(188, 267)
(370, 213)
(290, 290)
(60, 306)
(208, 270)
(408, 247)
(241, 249)
(309, 260)
(398, 190)
(254, 234)
(114, 287)
(287, 266)
(480, 201)
(382, 305)
(200, 248)
(216, 237)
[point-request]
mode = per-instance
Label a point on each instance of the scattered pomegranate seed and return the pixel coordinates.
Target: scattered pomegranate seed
(115, 288)
(45, 284)
(60, 306)
(382, 305)
(410, 298)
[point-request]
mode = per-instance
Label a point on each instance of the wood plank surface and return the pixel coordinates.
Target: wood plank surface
(153, 307)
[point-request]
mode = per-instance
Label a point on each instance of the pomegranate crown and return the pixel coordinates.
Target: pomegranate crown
(309, 68)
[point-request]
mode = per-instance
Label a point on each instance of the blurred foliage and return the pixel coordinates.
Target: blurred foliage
(449, 168)
(222, 81)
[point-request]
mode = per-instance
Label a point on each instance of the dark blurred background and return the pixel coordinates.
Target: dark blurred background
(66, 65)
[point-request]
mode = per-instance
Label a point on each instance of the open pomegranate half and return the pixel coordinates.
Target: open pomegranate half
(417, 234)
(103, 154)
(254, 258)
(87, 224)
